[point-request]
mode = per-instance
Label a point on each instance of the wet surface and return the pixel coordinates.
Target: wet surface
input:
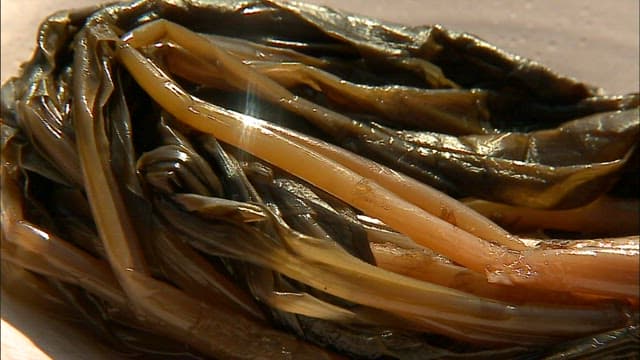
(604, 38)
(590, 40)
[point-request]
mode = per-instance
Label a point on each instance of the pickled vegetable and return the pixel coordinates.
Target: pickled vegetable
(274, 180)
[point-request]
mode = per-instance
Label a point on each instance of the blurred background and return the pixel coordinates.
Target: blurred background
(592, 40)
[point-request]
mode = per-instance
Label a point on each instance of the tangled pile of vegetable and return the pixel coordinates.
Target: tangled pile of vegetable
(262, 179)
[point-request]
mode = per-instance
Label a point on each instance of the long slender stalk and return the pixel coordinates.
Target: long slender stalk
(62, 256)
(327, 266)
(450, 111)
(205, 327)
(610, 274)
(420, 263)
(90, 279)
(607, 215)
(429, 199)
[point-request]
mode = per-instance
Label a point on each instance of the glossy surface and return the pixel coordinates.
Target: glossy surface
(591, 40)
(3, 23)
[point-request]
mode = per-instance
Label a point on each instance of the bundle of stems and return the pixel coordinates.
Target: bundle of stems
(393, 215)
